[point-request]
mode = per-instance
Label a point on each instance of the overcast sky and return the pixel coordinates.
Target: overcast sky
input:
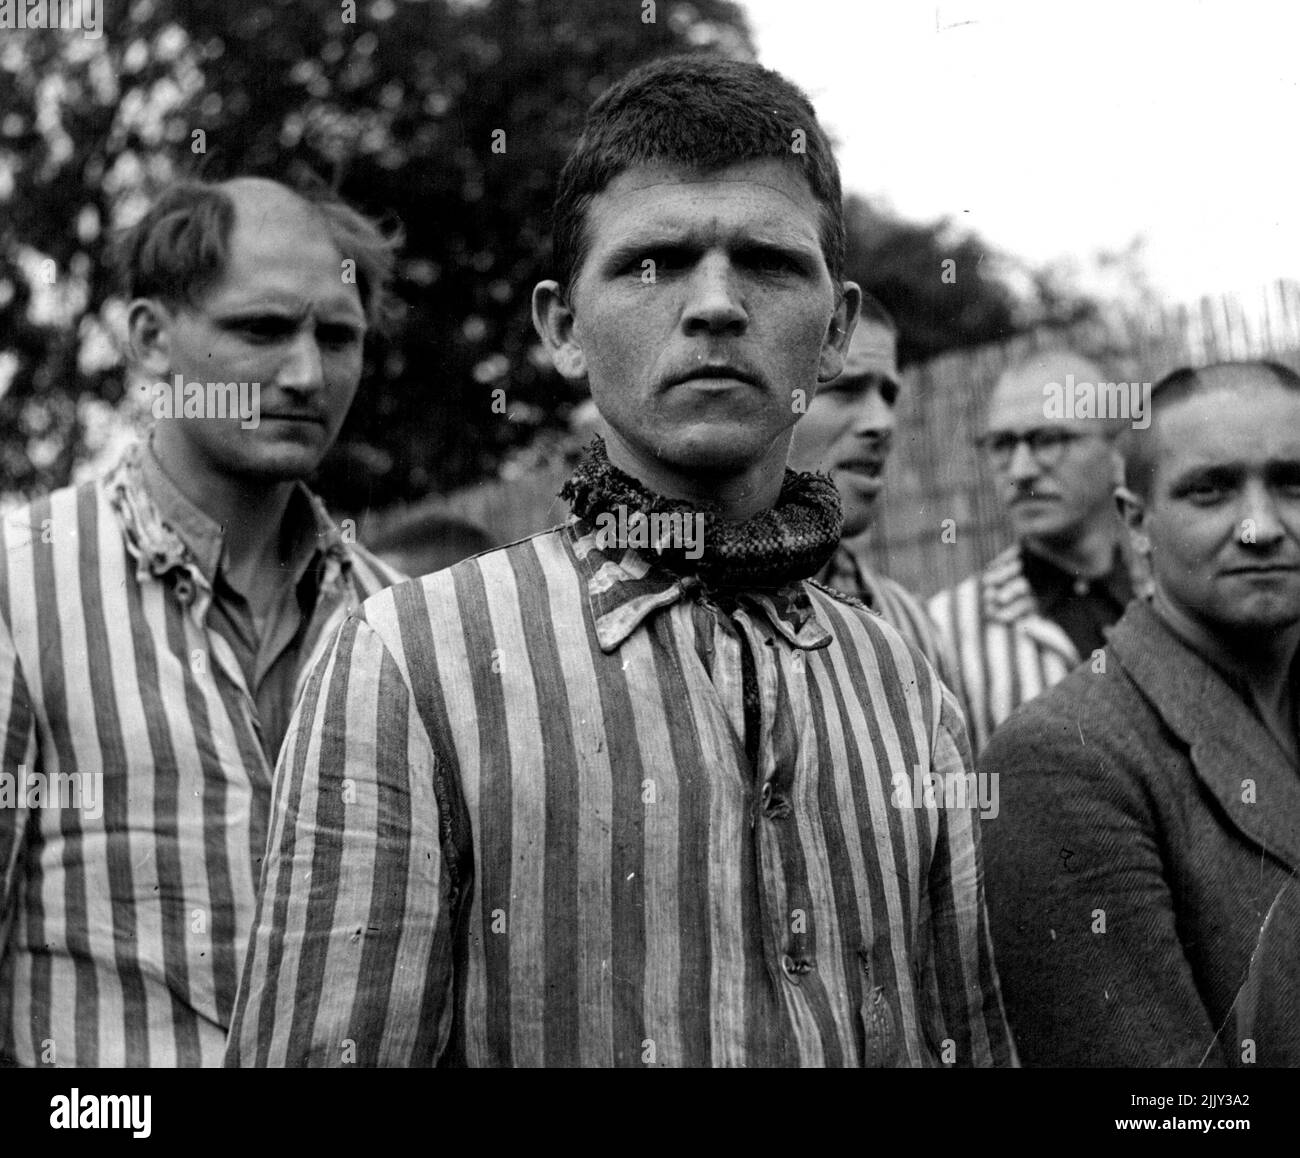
(1057, 129)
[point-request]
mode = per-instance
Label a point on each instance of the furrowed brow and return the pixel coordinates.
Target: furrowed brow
(1214, 474)
(633, 248)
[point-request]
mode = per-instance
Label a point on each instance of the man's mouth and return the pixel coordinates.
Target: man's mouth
(294, 416)
(719, 371)
(1264, 569)
(867, 467)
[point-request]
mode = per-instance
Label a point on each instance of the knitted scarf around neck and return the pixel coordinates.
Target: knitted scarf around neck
(787, 542)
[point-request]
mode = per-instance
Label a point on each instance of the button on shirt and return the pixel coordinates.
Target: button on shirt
(559, 806)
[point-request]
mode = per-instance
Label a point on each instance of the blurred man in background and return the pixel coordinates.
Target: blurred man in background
(848, 432)
(1143, 872)
(154, 628)
(620, 798)
(1017, 627)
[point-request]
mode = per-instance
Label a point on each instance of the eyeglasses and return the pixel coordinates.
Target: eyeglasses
(1046, 443)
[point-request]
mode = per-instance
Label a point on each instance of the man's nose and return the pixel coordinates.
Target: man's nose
(1023, 464)
(874, 417)
(302, 368)
(714, 304)
(1260, 522)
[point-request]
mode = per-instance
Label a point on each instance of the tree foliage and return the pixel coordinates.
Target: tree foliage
(447, 118)
(947, 289)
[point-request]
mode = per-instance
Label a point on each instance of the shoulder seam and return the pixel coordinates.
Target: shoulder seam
(842, 596)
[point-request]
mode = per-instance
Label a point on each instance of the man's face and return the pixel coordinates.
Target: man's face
(1223, 519)
(849, 428)
(703, 304)
(282, 316)
(1059, 499)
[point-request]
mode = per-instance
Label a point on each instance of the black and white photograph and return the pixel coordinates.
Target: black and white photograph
(649, 534)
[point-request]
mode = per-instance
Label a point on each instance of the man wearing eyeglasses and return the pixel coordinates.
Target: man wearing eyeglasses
(1144, 873)
(1040, 607)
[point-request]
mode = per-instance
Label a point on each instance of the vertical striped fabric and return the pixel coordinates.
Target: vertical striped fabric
(849, 573)
(1006, 652)
(515, 824)
(121, 936)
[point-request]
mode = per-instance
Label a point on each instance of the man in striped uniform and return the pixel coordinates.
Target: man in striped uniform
(848, 432)
(154, 630)
(629, 792)
(1041, 606)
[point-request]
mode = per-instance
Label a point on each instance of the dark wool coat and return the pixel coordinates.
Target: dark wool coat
(1142, 868)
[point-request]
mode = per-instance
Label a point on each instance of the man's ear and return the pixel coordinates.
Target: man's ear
(835, 345)
(148, 336)
(553, 320)
(1133, 511)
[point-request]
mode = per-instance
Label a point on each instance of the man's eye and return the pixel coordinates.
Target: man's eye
(660, 261)
(1204, 492)
(265, 329)
(771, 260)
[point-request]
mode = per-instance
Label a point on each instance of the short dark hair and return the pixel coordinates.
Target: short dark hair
(701, 111)
(179, 248)
(1176, 386)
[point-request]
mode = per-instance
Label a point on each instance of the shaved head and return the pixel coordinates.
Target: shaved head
(1142, 448)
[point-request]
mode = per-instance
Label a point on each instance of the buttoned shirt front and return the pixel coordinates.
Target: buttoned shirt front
(527, 817)
(268, 652)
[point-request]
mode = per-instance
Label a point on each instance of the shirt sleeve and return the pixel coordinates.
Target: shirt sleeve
(1092, 967)
(968, 1025)
(941, 614)
(18, 736)
(350, 960)
(939, 651)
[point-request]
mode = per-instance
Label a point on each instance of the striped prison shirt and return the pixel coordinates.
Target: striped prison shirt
(1006, 650)
(524, 816)
(123, 921)
(848, 573)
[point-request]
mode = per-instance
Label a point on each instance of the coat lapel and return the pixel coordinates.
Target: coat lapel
(1232, 752)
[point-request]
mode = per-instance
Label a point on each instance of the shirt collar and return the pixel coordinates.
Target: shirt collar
(847, 574)
(198, 531)
(1006, 594)
(167, 531)
(625, 587)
